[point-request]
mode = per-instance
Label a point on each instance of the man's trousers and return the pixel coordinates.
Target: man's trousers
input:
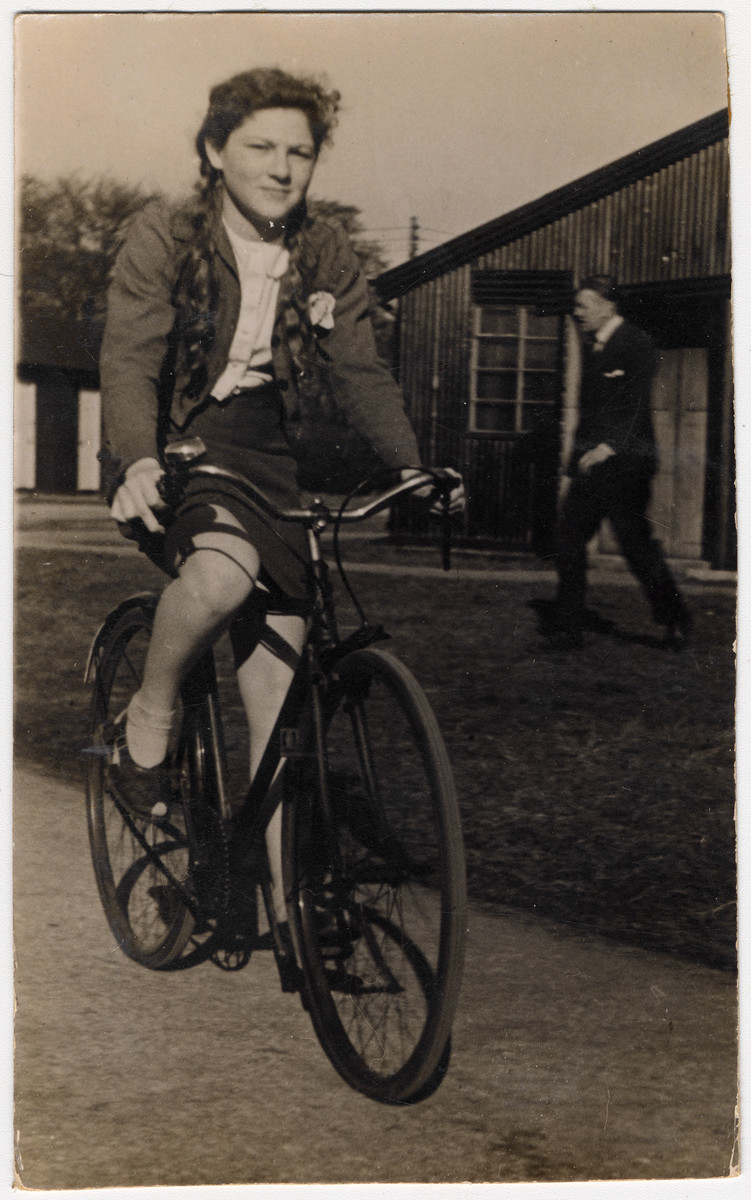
(618, 491)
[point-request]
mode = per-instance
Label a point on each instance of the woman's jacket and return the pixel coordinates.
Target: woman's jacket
(147, 396)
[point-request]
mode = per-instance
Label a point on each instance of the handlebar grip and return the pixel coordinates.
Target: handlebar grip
(170, 487)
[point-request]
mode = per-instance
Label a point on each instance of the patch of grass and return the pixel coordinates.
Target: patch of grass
(596, 788)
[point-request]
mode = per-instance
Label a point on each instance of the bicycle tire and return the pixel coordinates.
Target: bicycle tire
(143, 870)
(377, 889)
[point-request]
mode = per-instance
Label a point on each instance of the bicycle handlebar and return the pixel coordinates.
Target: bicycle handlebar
(183, 461)
(320, 511)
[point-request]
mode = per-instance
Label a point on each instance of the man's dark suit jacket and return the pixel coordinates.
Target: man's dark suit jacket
(615, 400)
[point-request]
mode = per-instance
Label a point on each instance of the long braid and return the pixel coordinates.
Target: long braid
(197, 290)
(294, 307)
(309, 357)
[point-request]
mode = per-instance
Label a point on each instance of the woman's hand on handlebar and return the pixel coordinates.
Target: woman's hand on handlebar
(456, 498)
(138, 495)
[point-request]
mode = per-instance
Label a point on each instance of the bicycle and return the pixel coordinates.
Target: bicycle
(373, 862)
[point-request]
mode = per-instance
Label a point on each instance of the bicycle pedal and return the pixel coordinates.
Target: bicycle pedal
(347, 984)
(333, 935)
(103, 741)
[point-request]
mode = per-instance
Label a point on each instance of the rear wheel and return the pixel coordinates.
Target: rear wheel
(377, 898)
(145, 872)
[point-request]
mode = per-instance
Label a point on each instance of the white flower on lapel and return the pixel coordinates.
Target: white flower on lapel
(617, 374)
(321, 310)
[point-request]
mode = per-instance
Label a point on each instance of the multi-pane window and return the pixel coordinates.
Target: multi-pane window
(515, 368)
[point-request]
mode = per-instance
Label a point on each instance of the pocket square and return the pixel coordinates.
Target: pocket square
(617, 374)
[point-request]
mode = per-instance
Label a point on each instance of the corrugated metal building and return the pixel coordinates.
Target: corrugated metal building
(489, 358)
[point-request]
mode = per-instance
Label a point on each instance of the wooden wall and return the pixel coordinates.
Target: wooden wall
(670, 226)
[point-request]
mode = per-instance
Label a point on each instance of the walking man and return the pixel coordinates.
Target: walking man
(612, 464)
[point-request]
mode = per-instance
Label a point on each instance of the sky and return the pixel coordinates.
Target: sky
(452, 118)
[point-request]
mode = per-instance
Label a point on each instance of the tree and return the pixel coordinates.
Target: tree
(70, 233)
(369, 252)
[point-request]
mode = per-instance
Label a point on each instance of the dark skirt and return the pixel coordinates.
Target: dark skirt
(244, 434)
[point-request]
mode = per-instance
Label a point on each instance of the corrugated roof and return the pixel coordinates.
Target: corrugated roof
(550, 207)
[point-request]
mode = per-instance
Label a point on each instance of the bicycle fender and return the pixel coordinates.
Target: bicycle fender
(102, 633)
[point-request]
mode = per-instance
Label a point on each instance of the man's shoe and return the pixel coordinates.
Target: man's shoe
(563, 641)
(144, 791)
(678, 632)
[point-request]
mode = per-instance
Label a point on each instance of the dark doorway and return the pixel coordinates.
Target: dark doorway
(57, 433)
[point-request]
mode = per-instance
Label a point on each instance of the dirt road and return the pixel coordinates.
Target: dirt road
(574, 1057)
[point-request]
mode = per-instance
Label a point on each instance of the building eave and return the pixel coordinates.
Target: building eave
(51, 340)
(588, 189)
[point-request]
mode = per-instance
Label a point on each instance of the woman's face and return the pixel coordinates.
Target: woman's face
(267, 163)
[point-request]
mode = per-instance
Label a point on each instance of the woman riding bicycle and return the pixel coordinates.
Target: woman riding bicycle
(222, 311)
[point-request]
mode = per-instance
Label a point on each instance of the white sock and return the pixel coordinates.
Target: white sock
(147, 732)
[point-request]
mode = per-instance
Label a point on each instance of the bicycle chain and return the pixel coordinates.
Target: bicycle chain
(215, 899)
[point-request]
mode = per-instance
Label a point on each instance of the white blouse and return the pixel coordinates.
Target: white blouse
(260, 265)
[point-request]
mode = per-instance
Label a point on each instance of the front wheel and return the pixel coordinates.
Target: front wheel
(377, 892)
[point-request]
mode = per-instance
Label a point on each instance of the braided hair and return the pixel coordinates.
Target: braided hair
(231, 103)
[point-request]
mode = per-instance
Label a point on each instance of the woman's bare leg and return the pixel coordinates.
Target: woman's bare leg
(213, 582)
